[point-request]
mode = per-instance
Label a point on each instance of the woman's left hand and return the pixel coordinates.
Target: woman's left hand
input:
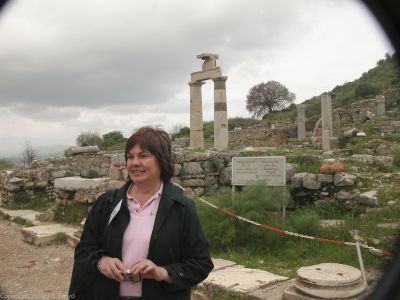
(150, 270)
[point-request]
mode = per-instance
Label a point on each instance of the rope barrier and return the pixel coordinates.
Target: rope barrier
(315, 238)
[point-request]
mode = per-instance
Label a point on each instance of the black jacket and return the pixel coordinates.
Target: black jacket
(177, 243)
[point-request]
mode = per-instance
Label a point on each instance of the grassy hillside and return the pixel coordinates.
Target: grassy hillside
(384, 76)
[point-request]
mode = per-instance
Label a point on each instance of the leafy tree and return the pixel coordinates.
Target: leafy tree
(267, 97)
(113, 138)
(28, 154)
(183, 132)
(89, 138)
(5, 164)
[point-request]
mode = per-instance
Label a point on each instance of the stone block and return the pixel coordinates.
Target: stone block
(384, 161)
(58, 174)
(369, 198)
(220, 263)
(192, 168)
(344, 179)
(45, 234)
(310, 181)
(80, 150)
(78, 183)
(193, 182)
(16, 180)
(297, 179)
(12, 187)
(118, 159)
(179, 157)
(241, 279)
(29, 185)
(41, 184)
(225, 176)
(178, 169)
(325, 178)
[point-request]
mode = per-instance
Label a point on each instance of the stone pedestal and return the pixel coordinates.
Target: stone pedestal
(327, 281)
(196, 115)
(220, 114)
(380, 105)
(301, 122)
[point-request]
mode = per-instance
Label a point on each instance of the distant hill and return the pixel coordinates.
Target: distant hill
(386, 75)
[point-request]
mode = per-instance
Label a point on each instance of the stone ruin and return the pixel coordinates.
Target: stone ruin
(209, 71)
(327, 281)
(323, 131)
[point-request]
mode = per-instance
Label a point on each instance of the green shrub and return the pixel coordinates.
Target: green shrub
(89, 138)
(365, 90)
(112, 138)
(396, 159)
(93, 174)
(5, 164)
(60, 238)
(20, 198)
(305, 221)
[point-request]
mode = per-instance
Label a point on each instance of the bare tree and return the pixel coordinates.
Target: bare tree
(28, 155)
(266, 97)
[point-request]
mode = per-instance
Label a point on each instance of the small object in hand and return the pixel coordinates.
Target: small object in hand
(128, 276)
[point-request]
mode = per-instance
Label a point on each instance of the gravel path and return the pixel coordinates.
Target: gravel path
(32, 272)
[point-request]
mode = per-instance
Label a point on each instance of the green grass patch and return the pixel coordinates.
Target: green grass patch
(306, 163)
(396, 160)
(22, 200)
(72, 213)
(22, 222)
(222, 294)
(256, 247)
(60, 238)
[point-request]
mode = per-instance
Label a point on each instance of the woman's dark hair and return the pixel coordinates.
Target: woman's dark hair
(158, 143)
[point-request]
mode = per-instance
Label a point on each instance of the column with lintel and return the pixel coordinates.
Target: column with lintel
(220, 113)
(196, 115)
(301, 122)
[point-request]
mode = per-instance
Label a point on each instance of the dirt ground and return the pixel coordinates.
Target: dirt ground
(32, 272)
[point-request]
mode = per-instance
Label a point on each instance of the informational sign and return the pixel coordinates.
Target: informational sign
(269, 170)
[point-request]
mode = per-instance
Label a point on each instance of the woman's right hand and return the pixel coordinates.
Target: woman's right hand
(111, 267)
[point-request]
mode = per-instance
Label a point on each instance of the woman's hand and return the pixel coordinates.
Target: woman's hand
(111, 267)
(150, 270)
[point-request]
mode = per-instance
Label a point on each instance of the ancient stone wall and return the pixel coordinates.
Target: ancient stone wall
(203, 172)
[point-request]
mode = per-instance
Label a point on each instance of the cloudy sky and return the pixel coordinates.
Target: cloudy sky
(89, 65)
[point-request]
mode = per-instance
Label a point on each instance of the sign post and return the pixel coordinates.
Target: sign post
(268, 170)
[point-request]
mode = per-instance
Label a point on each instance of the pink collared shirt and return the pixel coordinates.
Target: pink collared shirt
(135, 245)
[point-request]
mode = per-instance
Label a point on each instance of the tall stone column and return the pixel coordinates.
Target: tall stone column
(301, 122)
(380, 105)
(327, 123)
(196, 115)
(220, 114)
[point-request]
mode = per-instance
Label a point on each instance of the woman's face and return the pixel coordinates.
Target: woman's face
(142, 166)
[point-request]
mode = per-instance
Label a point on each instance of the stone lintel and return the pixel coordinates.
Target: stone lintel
(207, 74)
(196, 83)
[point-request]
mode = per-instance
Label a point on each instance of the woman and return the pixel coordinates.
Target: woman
(143, 241)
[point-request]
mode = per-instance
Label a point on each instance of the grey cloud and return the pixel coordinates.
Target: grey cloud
(137, 51)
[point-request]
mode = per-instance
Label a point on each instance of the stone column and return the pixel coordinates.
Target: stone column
(301, 122)
(327, 123)
(380, 105)
(196, 115)
(220, 114)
